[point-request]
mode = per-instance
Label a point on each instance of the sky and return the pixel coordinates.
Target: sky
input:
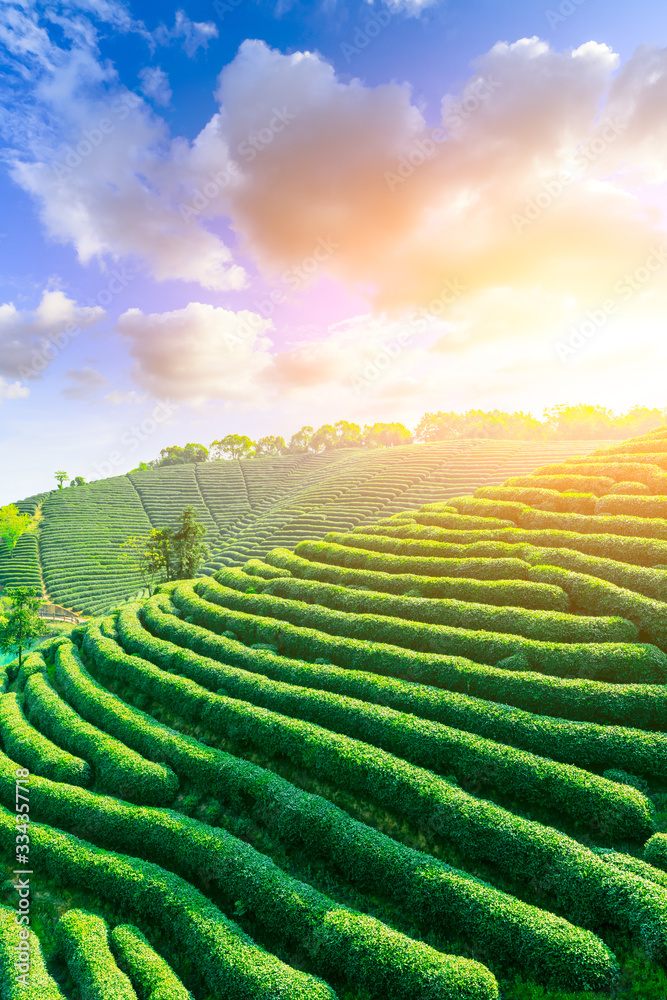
(256, 215)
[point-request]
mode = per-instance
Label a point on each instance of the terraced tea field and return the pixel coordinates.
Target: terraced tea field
(423, 756)
(247, 506)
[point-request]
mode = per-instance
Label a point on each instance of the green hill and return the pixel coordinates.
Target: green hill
(425, 756)
(248, 507)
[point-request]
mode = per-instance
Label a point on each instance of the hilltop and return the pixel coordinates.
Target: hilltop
(249, 506)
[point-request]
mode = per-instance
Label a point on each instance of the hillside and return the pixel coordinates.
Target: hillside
(248, 507)
(422, 757)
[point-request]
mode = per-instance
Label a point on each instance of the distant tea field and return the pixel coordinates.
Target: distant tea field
(248, 507)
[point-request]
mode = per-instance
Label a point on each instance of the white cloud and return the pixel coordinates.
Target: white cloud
(529, 183)
(100, 165)
(412, 8)
(12, 390)
(155, 85)
(84, 383)
(195, 34)
(118, 398)
(31, 338)
(198, 353)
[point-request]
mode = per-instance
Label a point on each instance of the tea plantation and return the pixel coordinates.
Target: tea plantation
(247, 506)
(415, 747)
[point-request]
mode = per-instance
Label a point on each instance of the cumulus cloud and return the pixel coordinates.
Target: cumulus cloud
(83, 383)
(31, 338)
(155, 85)
(99, 163)
(198, 353)
(523, 183)
(12, 390)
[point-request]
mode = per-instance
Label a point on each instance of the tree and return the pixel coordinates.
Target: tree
(300, 442)
(348, 435)
(78, 481)
(186, 547)
(386, 435)
(270, 446)
(175, 455)
(323, 439)
(579, 422)
(639, 420)
(22, 624)
(14, 524)
(62, 477)
(233, 446)
(149, 555)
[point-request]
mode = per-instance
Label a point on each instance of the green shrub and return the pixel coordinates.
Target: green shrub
(229, 961)
(655, 851)
(19, 979)
(583, 743)
(33, 663)
(545, 626)
(526, 517)
(398, 555)
(561, 482)
(255, 567)
(634, 506)
(117, 769)
(147, 970)
(599, 597)
(620, 661)
(588, 889)
(433, 893)
(33, 750)
(644, 706)
(634, 866)
(637, 552)
(535, 496)
(507, 593)
(84, 941)
(337, 940)
(575, 795)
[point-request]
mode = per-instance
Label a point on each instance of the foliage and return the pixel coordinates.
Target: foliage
(232, 446)
(478, 424)
(21, 624)
(14, 524)
(149, 555)
(185, 546)
(270, 445)
(118, 770)
(176, 455)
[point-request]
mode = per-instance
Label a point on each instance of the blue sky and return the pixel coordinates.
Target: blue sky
(250, 216)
